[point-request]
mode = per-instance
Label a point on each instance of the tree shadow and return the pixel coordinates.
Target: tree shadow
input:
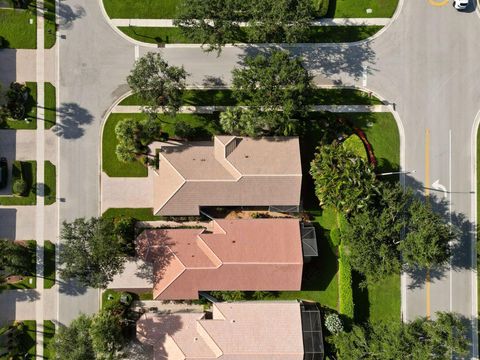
(67, 15)
(326, 59)
(153, 246)
(360, 298)
(72, 119)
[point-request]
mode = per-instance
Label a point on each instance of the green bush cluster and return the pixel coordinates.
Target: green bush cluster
(320, 7)
(345, 290)
(20, 186)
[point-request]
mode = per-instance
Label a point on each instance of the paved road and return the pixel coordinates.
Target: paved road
(94, 62)
(426, 63)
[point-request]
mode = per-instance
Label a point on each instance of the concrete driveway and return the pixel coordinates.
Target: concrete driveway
(127, 192)
(17, 305)
(17, 223)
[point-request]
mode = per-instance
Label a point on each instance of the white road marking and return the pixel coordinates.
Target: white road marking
(137, 52)
(365, 75)
(450, 208)
(437, 186)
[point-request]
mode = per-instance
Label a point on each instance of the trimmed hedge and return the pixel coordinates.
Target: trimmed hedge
(345, 291)
(335, 236)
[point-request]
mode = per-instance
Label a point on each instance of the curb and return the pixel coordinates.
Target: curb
(244, 45)
(473, 168)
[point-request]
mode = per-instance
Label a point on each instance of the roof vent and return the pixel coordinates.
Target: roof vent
(203, 159)
(232, 321)
(195, 339)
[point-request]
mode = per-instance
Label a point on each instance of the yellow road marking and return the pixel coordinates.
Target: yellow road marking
(427, 162)
(427, 289)
(438, 3)
(427, 193)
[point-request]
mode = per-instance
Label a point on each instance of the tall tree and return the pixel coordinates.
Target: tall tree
(342, 179)
(275, 87)
(428, 237)
(421, 339)
(213, 23)
(74, 342)
(92, 251)
(396, 229)
(106, 335)
(280, 21)
(134, 136)
(157, 83)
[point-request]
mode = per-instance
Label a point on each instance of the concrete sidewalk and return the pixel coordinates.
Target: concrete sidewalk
(132, 109)
(321, 22)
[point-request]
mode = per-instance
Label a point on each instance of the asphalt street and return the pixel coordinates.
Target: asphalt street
(425, 63)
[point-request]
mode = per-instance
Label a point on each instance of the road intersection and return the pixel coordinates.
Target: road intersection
(423, 64)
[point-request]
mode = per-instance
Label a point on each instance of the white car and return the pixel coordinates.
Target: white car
(460, 4)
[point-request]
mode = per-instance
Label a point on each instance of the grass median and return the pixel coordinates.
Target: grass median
(50, 186)
(358, 8)
(224, 97)
(50, 105)
(317, 34)
(49, 264)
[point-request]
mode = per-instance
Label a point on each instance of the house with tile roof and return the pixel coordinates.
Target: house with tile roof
(251, 330)
(241, 254)
(231, 171)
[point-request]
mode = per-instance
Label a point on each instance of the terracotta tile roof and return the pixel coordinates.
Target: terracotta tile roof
(260, 254)
(238, 331)
(231, 171)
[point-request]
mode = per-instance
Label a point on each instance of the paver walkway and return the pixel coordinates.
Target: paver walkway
(131, 109)
(321, 22)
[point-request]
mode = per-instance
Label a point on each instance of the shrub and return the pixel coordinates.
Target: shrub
(333, 323)
(19, 187)
(229, 295)
(17, 96)
(184, 130)
(335, 236)
(345, 285)
(320, 7)
(356, 146)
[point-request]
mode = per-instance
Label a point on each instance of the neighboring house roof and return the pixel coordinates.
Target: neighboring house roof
(260, 254)
(238, 331)
(231, 171)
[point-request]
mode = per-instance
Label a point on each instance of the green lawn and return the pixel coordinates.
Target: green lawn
(318, 34)
(29, 339)
(50, 188)
(16, 29)
(50, 105)
(357, 8)
(49, 264)
(31, 111)
(30, 281)
(115, 168)
(48, 333)
(321, 96)
(319, 281)
(166, 9)
(145, 9)
(141, 214)
(116, 294)
(50, 27)
(29, 170)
